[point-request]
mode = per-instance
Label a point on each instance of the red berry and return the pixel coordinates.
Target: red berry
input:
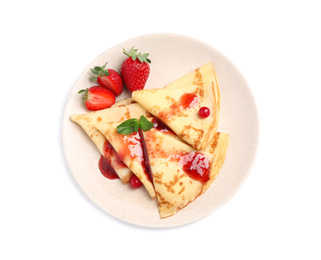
(135, 182)
(98, 97)
(204, 112)
(135, 70)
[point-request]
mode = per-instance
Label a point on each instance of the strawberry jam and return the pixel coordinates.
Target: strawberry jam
(108, 161)
(110, 152)
(160, 126)
(186, 101)
(145, 161)
(131, 147)
(134, 147)
(196, 165)
(106, 169)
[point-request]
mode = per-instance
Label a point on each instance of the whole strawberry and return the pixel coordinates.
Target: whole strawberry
(108, 78)
(98, 97)
(135, 70)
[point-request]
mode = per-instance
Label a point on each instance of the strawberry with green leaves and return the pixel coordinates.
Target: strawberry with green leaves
(135, 69)
(98, 97)
(108, 78)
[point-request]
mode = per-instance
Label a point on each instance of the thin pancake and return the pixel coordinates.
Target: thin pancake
(175, 188)
(218, 148)
(178, 104)
(122, 110)
(167, 154)
(130, 150)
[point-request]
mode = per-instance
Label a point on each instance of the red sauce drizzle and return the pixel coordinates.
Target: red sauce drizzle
(135, 147)
(107, 160)
(160, 126)
(145, 161)
(109, 151)
(106, 169)
(196, 165)
(131, 146)
(186, 101)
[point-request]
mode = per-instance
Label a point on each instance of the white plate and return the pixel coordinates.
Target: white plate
(172, 56)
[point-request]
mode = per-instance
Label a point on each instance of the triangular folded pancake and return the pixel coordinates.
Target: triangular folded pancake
(178, 104)
(121, 110)
(172, 179)
(130, 150)
(174, 164)
(217, 146)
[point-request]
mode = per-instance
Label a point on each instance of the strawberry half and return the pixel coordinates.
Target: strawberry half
(98, 97)
(135, 70)
(108, 78)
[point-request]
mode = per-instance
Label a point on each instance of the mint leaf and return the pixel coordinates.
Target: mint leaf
(132, 125)
(128, 127)
(144, 124)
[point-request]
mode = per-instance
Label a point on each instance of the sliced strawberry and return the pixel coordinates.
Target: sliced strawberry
(98, 97)
(108, 78)
(112, 82)
(135, 70)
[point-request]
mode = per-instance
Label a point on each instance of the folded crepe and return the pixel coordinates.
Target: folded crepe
(180, 173)
(130, 149)
(177, 105)
(179, 158)
(121, 110)
(176, 172)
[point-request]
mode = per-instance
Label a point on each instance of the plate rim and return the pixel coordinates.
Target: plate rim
(80, 77)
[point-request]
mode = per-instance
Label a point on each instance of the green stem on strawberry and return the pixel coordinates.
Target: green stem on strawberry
(99, 72)
(133, 54)
(85, 91)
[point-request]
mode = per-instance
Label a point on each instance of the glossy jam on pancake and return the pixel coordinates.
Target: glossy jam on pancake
(197, 166)
(179, 158)
(217, 147)
(186, 101)
(145, 160)
(106, 169)
(130, 149)
(121, 110)
(109, 161)
(160, 126)
(173, 185)
(178, 104)
(181, 173)
(134, 148)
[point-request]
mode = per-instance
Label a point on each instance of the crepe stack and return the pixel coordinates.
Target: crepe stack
(173, 187)
(166, 159)
(121, 110)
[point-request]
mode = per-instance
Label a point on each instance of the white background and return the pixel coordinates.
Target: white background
(45, 47)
